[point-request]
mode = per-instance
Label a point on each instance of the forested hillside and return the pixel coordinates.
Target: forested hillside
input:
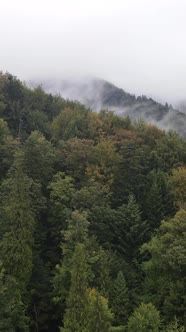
(99, 94)
(92, 218)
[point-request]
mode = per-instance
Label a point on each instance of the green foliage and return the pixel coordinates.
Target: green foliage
(12, 309)
(170, 152)
(175, 327)
(145, 318)
(178, 184)
(62, 191)
(120, 300)
(74, 155)
(70, 123)
(75, 234)
(7, 147)
(166, 281)
(61, 196)
(100, 262)
(76, 316)
(130, 172)
(130, 231)
(77, 230)
(19, 216)
(158, 203)
(39, 157)
(39, 121)
(80, 193)
(99, 315)
(118, 329)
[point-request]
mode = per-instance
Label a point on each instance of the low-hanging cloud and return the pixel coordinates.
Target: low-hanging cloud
(138, 45)
(99, 94)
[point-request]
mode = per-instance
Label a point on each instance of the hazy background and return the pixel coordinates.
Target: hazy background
(139, 45)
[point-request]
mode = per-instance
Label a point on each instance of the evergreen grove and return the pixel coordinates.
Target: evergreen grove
(92, 218)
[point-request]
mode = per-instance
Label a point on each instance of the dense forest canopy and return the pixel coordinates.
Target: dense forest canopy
(93, 218)
(100, 94)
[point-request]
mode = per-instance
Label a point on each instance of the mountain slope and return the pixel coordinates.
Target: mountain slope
(98, 94)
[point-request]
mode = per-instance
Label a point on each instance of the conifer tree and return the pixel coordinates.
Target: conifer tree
(130, 230)
(12, 309)
(120, 300)
(145, 318)
(75, 234)
(61, 193)
(174, 327)
(39, 157)
(19, 215)
(158, 202)
(100, 316)
(76, 316)
(165, 280)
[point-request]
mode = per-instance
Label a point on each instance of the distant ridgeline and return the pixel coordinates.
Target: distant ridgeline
(92, 212)
(99, 94)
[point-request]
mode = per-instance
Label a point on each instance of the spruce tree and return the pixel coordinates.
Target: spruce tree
(76, 315)
(120, 300)
(39, 157)
(60, 208)
(12, 309)
(75, 234)
(18, 221)
(130, 230)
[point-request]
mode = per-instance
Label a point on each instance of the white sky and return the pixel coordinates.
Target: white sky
(140, 45)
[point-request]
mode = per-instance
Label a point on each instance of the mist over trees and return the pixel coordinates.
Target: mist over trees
(99, 94)
(92, 218)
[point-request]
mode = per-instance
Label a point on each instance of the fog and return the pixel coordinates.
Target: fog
(137, 45)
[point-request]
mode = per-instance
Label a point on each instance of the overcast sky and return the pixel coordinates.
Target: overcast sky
(139, 45)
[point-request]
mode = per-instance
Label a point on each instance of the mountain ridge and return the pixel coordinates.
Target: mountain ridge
(100, 94)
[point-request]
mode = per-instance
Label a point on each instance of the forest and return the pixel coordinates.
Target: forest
(99, 94)
(92, 218)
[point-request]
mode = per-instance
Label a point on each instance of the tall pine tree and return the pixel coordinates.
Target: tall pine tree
(120, 300)
(76, 316)
(18, 221)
